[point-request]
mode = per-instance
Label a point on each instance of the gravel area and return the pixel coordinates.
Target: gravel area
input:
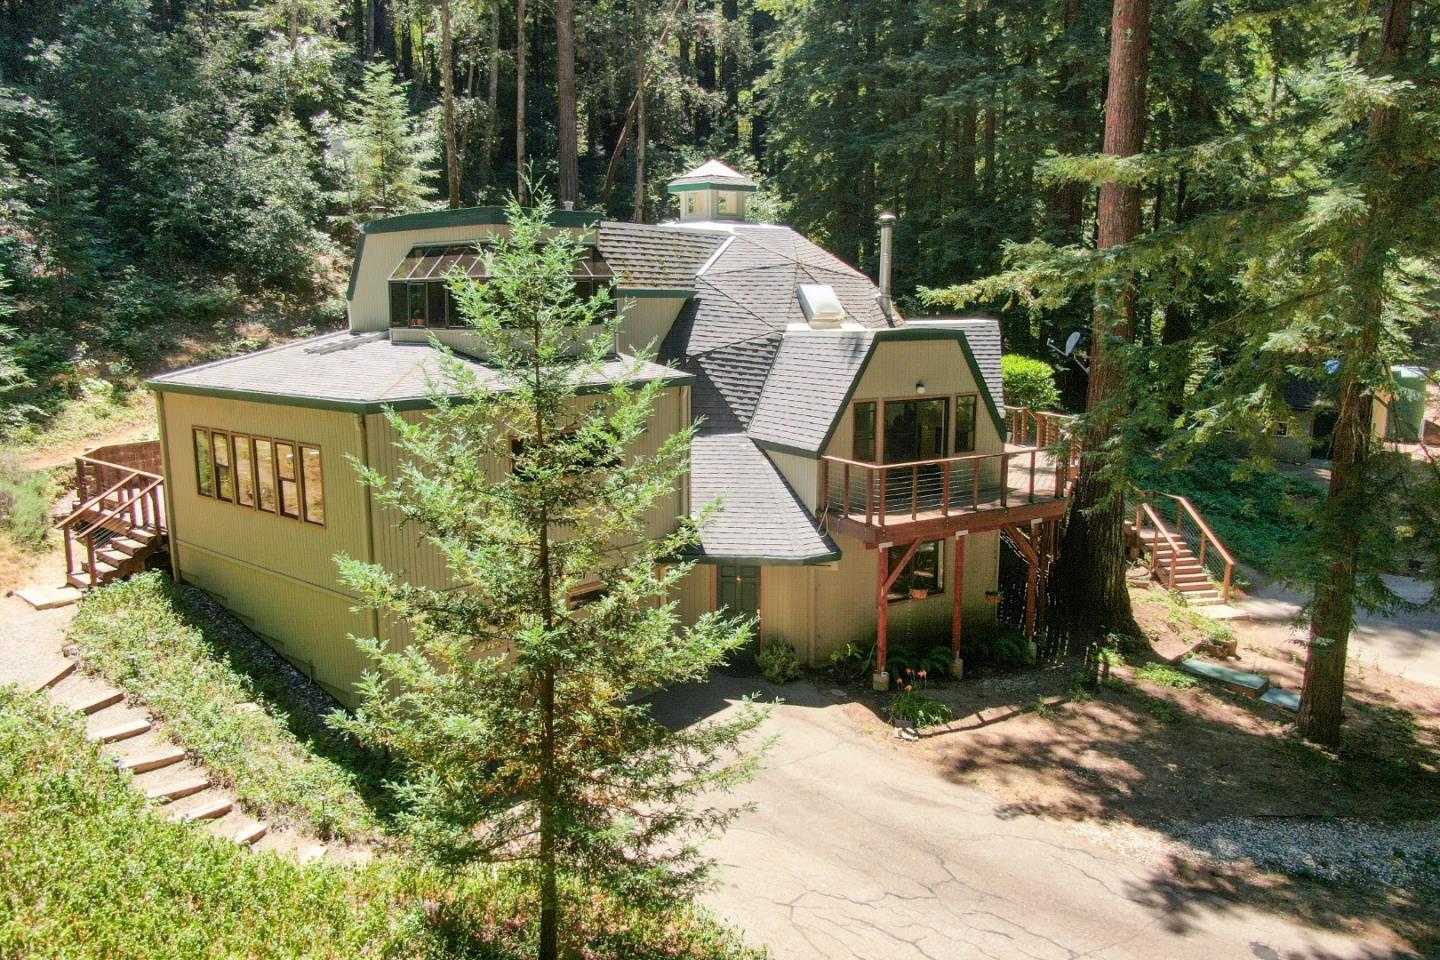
(1354, 852)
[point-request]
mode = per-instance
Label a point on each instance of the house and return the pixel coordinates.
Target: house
(861, 460)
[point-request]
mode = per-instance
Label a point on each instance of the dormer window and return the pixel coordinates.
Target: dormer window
(421, 297)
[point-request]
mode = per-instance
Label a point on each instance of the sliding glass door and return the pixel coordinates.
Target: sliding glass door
(915, 430)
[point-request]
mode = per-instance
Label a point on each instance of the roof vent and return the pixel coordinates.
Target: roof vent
(822, 308)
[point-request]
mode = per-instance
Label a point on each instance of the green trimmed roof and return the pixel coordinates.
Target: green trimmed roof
(713, 175)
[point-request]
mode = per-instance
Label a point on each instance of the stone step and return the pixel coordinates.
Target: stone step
(48, 598)
(85, 694)
(173, 782)
(123, 731)
(250, 833)
(1284, 699)
(143, 763)
(1250, 684)
(208, 804)
(60, 674)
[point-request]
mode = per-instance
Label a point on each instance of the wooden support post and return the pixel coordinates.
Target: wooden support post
(957, 614)
(1030, 584)
(881, 680)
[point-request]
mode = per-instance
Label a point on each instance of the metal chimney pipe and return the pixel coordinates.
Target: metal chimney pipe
(887, 244)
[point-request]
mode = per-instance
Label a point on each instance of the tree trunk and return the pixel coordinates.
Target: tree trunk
(1070, 197)
(568, 188)
(492, 96)
(447, 86)
(1348, 502)
(1089, 581)
(641, 133)
(522, 187)
(988, 142)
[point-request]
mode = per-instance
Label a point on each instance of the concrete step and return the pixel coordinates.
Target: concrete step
(60, 673)
(112, 717)
(173, 782)
(143, 763)
(208, 804)
(85, 694)
(123, 731)
(1250, 684)
(248, 834)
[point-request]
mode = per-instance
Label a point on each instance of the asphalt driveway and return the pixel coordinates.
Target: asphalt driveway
(859, 848)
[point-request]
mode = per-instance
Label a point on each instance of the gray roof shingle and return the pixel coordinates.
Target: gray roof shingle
(808, 384)
(656, 257)
(347, 371)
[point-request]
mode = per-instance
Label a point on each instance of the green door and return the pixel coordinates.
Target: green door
(739, 594)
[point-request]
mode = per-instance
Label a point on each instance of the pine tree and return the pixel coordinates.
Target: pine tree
(389, 149)
(515, 713)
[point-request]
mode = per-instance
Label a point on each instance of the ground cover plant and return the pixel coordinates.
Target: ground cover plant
(1260, 516)
(171, 647)
(86, 871)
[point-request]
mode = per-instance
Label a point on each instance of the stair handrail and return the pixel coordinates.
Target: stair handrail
(1160, 531)
(119, 508)
(95, 500)
(1207, 535)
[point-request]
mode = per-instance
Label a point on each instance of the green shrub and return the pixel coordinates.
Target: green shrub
(919, 710)
(169, 647)
(1165, 675)
(25, 501)
(902, 660)
(1008, 648)
(1029, 382)
(90, 873)
(851, 662)
(778, 661)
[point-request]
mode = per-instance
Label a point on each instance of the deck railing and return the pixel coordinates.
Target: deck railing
(887, 493)
(1215, 560)
(113, 499)
(1037, 428)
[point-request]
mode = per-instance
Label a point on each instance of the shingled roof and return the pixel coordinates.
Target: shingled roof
(363, 372)
(654, 258)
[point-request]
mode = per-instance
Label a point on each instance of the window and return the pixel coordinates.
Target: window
(864, 447)
(204, 471)
(915, 429)
(586, 594)
(1282, 428)
(719, 203)
(314, 484)
(244, 472)
(288, 482)
(265, 474)
(925, 571)
(224, 479)
(690, 202)
(421, 297)
(965, 408)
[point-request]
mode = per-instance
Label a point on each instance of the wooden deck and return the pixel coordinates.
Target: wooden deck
(877, 502)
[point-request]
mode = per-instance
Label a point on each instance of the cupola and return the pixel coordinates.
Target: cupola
(712, 191)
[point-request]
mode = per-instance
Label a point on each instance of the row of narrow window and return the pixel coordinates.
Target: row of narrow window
(915, 428)
(430, 303)
(273, 476)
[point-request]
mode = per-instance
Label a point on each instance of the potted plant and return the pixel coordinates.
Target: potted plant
(919, 593)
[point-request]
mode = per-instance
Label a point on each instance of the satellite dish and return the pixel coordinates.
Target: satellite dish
(1071, 342)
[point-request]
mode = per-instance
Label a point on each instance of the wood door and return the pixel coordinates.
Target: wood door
(738, 593)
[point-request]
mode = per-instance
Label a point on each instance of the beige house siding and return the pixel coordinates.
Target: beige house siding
(382, 253)
(645, 321)
(802, 473)
(893, 372)
(276, 574)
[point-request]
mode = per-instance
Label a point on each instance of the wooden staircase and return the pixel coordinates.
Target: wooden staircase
(1184, 555)
(118, 521)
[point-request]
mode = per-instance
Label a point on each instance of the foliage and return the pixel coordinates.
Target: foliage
(903, 659)
(80, 847)
(168, 647)
(1029, 383)
(851, 662)
(919, 710)
(778, 661)
(386, 149)
(512, 707)
(1007, 648)
(25, 499)
(1165, 675)
(1261, 517)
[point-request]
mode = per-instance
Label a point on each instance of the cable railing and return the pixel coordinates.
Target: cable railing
(1037, 428)
(886, 493)
(1214, 559)
(1157, 534)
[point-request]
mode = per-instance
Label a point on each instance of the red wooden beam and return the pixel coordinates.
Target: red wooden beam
(957, 608)
(882, 609)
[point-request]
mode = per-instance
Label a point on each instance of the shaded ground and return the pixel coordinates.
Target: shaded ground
(860, 845)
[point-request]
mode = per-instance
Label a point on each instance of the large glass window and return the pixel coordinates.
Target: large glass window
(864, 448)
(915, 429)
(314, 484)
(289, 481)
(204, 470)
(965, 408)
(224, 479)
(925, 571)
(265, 474)
(244, 473)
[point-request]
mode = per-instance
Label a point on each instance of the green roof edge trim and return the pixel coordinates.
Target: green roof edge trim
(707, 559)
(712, 185)
(641, 293)
(900, 334)
(359, 406)
(471, 217)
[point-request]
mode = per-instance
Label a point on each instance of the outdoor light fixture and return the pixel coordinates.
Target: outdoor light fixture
(920, 386)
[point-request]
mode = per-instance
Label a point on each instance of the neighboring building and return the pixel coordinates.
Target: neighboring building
(861, 460)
